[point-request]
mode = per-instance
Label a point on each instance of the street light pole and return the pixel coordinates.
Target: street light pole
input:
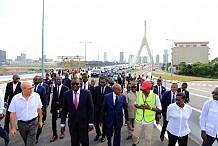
(85, 53)
(43, 39)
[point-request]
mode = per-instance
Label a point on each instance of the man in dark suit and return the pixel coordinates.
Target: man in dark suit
(49, 83)
(42, 93)
(121, 80)
(67, 81)
(112, 112)
(85, 84)
(47, 95)
(183, 89)
(77, 103)
(168, 98)
(100, 92)
(12, 88)
(160, 90)
(56, 107)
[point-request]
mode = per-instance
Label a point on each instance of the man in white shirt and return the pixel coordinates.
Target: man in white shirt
(208, 120)
(26, 106)
(3, 133)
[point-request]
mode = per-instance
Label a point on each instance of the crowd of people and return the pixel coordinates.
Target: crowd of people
(102, 107)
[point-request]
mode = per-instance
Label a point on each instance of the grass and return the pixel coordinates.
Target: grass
(135, 70)
(181, 78)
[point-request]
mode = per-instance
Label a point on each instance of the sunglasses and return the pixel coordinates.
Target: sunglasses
(75, 84)
(18, 78)
(214, 93)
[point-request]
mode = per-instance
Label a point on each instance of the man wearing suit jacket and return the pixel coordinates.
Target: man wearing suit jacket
(121, 80)
(12, 88)
(160, 92)
(112, 112)
(56, 107)
(77, 103)
(100, 92)
(42, 93)
(168, 98)
(47, 95)
(87, 85)
(183, 89)
(67, 81)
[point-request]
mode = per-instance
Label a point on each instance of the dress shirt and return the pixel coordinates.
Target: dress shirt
(1, 102)
(102, 89)
(209, 118)
(25, 109)
(14, 86)
(59, 89)
(114, 97)
(177, 118)
(172, 96)
(159, 89)
(86, 87)
(158, 105)
(34, 87)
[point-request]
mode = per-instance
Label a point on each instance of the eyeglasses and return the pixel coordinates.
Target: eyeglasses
(215, 93)
(75, 84)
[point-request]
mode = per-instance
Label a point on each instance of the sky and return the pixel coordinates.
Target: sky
(111, 26)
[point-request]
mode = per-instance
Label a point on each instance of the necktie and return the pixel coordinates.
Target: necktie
(35, 88)
(116, 100)
(75, 101)
(159, 92)
(84, 85)
(102, 90)
(58, 90)
(173, 100)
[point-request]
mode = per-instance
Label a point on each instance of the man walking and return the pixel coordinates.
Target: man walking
(12, 89)
(56, 107)
(168, 98)
(29, 117)
(112, 112)
(208, 120)
(100, 92)
(78, 105)
(3, 133)
(147, 104)
(184, 90)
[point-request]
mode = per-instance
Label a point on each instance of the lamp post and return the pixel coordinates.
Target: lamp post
(171, 65)
(43, 39)
(85, 52)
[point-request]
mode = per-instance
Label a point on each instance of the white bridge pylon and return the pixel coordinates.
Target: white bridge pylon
(144, 43)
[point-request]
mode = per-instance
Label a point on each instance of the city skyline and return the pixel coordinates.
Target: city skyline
(119, 27)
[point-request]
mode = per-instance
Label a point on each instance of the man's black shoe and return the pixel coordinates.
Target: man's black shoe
(7, 139)
(96, 137)
(103, 139)
(129, 137)
(37, 141)
(162, 138)
(133, 144)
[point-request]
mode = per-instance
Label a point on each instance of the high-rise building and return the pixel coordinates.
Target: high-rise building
(144, 59)
(157, 59)
(121, 57)
(130, 59)
(165, 56)
(23, 57)
(18, 58)
(199, 52)
(2, 56)
(106, 56)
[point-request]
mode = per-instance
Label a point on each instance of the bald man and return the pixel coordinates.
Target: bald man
(113, 105)
(29, 117)
(12, 88)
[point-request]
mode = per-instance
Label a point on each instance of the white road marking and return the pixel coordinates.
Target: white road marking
(210, 85)
(216, 85)
(199, 90)
(198, 84)
(204, 85)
